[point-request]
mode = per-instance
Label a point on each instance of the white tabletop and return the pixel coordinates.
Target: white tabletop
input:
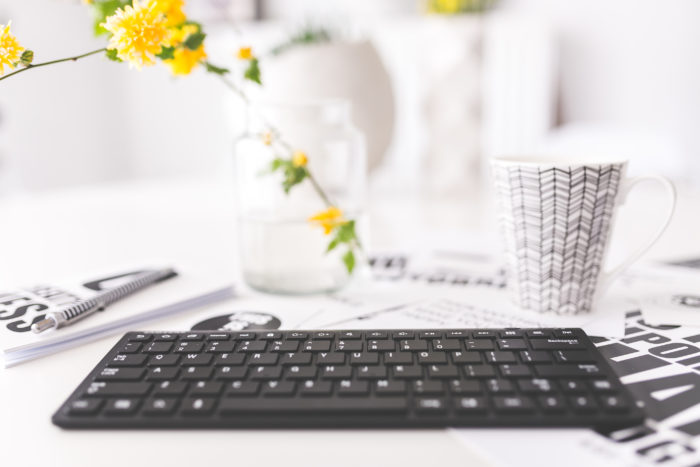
(48, 236)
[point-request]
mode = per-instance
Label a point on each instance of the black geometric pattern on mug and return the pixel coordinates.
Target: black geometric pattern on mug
(556, 223)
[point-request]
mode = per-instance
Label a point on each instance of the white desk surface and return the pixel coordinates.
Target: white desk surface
(48, 236)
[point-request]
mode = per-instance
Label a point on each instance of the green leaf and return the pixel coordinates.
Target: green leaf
(26, 58)
(346, 232)
(194, 41)
(331, 246)
(193, 23)
(166, 53)
(112, 55)
(349, 260)
(215, 69)
(252, 73)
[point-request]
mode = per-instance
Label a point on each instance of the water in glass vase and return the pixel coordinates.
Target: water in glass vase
(289, 256)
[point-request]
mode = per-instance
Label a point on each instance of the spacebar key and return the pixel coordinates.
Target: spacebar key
(239, 405)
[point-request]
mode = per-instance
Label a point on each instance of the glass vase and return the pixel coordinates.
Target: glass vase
(281, 250)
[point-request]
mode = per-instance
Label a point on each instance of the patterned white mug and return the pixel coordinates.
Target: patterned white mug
(555, 216)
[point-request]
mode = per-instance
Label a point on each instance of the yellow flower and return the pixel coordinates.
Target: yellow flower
(172, 9)
(139, 32)
(328, 219)
(180, 35)
(245, 53)
(185, 60)
(267, 138)
(299, 159)
(10, 50)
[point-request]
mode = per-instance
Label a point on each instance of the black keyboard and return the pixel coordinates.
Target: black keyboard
(375, 378)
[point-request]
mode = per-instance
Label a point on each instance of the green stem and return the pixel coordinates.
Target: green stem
(68, 59)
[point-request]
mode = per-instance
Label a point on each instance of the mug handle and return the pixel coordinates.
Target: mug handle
(607, 277)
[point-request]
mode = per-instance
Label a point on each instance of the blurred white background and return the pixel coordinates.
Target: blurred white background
(582, 76)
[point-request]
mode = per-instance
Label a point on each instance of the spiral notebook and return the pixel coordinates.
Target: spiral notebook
(22, 307)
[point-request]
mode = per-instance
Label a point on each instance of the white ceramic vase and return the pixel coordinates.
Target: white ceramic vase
(349, 70)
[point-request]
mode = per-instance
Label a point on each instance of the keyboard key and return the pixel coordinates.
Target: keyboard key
(128, 360)
(161, 406)
(457, 333)
(348, 335)
(513, 404)
(613, 403)
(330, 358)
(351, 405)
(430, 405)
(348, 387)
(381, 345)
(120, 374)
(158, 347)
(536, 385)
(407, 372)
(169, 388)
(446, 345)
(297, 336)
(198, 406)
(500, 357)
(432, 357)
(85, 406)
(284, 346)
(130, 347)
(466, 357)
(264, 373)
(316, 388)
(317, 346)
(479, 371)
(193, 359)
(442, 371)
(242, 388)
(556, 344)
(572, 385)
(428, 387)
(218, 336)
(499, 386)
(564, 333)
(323, 335)
(512, 344)
(398, 358)
(229, 359)
(470, 404)
(140, 337)
(413, 345)
(336, 372)
(509, 333)
(483, 334)
(510, 371)
(206, 388)
(582, 404)
(371, 372)
(164, 360)
(165, 337)
(364, 358)
(429, 335)
(552, 403)
(297, 358)
(158, 373)
(403, 335)
(279, 388)
(221, 347)
(377, 334)
(271, 336)
(112, 389)
(263, 359)
(535, 356)
(351, 346)
(230, 373)
(122, 406)
(562, 371)
(538, 333)
(480, 344)
(574, 356)
(601, 385)
(243, 336)
(301, 372)
(196, 372)
(390, 388)
(465, 387)
(185, 347)
(252, 346)
(192, 337)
